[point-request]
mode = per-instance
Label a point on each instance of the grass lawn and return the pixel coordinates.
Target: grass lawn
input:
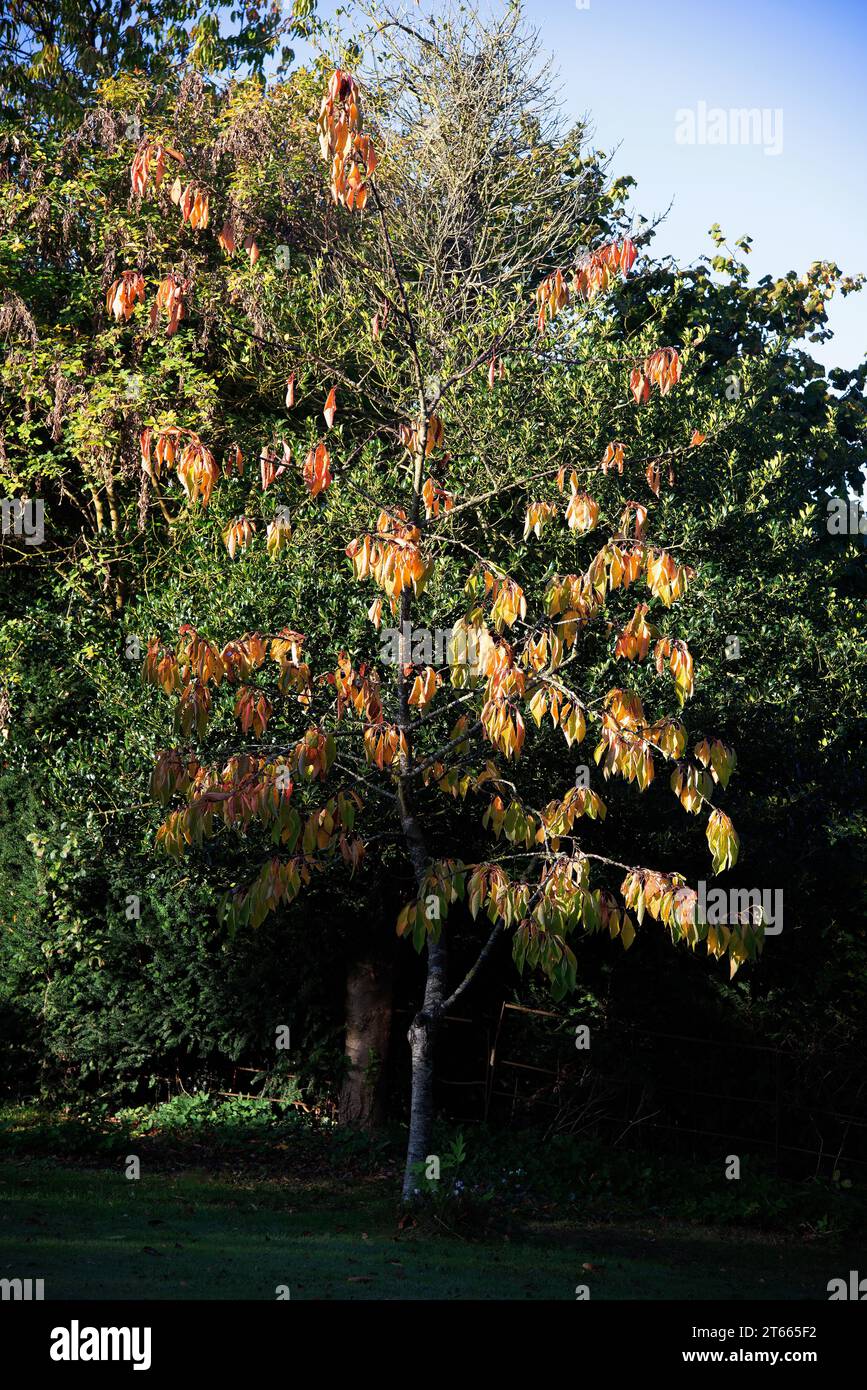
(91, 1233)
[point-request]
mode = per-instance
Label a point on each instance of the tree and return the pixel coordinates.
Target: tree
(260, 351)
(52, 58)
(76, 387)
(471, 247)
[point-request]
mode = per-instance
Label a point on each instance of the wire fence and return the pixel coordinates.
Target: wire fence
(657, 1090)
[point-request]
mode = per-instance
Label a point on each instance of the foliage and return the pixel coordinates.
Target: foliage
(348, 353)
(52, 59)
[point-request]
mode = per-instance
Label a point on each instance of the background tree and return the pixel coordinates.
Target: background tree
(53, 57)
(78, 382)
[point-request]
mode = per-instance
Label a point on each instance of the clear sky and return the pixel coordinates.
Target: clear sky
(631, 65)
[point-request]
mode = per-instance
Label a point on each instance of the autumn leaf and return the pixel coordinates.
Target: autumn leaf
(226, 238)
(723, 840)
(317, 470)
(238, 535)
(123, 295)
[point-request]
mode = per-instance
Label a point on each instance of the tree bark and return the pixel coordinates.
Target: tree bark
(368, 1027)
(422, 1036)
(425, 1026)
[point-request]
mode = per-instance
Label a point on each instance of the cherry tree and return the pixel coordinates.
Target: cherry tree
(471, 282)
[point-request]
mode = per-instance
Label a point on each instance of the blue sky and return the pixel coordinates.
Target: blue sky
(631, 65)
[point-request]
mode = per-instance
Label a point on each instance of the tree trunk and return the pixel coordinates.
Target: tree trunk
(422, 1041)
(368, 1026)
(425, 1026)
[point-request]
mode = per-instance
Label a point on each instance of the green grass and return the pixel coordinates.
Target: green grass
(91, 1233)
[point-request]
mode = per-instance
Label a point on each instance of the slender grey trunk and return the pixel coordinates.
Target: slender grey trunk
(424, 1028)
(423, 1032)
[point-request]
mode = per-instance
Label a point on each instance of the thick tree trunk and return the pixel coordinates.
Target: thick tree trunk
(368, 1026)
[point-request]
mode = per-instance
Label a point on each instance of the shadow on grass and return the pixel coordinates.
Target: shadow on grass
(95, 1234)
